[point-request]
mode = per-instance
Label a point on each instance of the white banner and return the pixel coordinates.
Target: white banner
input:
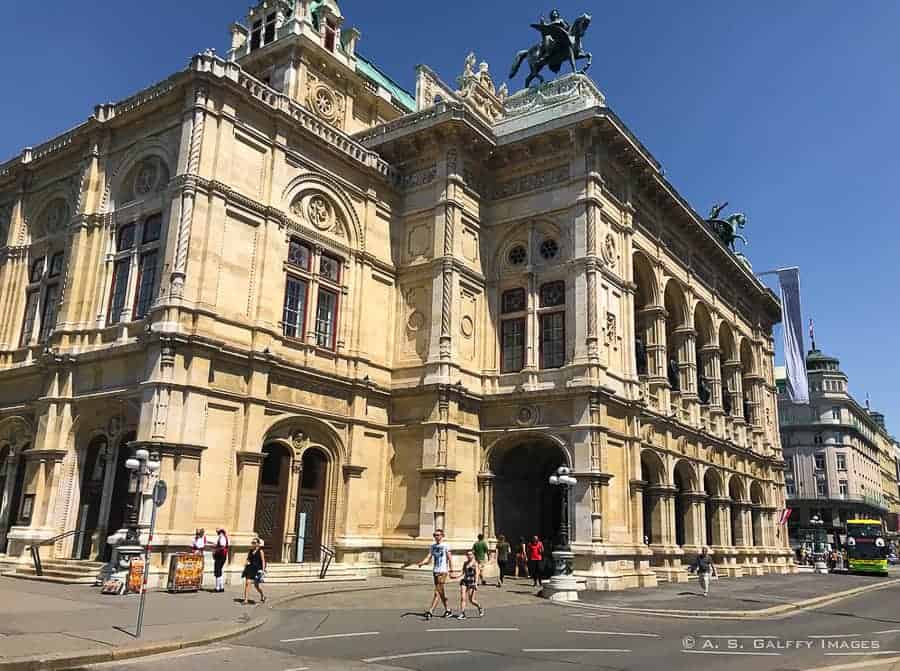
(794, 359)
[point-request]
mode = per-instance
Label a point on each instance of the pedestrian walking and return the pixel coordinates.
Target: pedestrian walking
(503, 554)
(521, 559)
(535, 553)
(468, 585)
(439, 555)
(254, 570)
(220, 556)
(482, 552)
(705, 568)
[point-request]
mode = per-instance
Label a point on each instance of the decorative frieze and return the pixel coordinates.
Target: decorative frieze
(532, 181)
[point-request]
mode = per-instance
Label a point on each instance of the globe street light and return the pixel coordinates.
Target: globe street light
(145, 467)
(562, 556)
(818, 524)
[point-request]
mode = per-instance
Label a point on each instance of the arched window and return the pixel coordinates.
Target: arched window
(137, 254)
(309, 267)
(45, 270)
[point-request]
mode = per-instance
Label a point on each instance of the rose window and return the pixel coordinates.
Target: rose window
(549, 249)
(319, 212)
(146, 178)
(324, 103)
(517, 255)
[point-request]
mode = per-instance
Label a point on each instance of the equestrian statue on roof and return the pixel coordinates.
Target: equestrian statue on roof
(560, 43)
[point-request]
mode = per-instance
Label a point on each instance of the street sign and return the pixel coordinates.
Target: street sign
(160, 492)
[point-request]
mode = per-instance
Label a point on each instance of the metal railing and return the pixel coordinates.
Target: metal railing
(35, 549)
(327, 556)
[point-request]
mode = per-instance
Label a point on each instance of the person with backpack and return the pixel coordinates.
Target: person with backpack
(504, 552)
(220, 556)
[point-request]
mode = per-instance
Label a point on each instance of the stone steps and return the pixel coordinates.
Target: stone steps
(63, 571)
(309, 572)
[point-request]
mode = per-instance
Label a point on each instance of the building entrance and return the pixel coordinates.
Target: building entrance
(312, 503)
(525, 504)
(271, 497)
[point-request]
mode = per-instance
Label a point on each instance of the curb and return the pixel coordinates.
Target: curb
(82, 660)
(865, 664)
(761, 614)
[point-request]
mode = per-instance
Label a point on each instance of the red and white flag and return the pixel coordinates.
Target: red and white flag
(784, 517)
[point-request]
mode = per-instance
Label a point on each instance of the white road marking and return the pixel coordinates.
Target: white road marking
(859, 654)
(729, 652)
(610, 633)
(455, 629)
(299, 668)
(320, 637)
(166, 655)
(431, 653)
(887, 631)
(574, 650)
(835, 636)
(587, 615)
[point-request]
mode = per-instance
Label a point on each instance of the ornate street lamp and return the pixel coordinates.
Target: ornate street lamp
(818, 525)
(142, 468)
(562, 555)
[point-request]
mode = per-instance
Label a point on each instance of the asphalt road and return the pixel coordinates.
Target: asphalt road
(376, 631)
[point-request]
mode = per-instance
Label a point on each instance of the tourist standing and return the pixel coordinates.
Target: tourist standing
(254, 570)
(503, 554)
(199, 542)
(439, 555)
(705, 568)
(220, 556)
(535, 553)
(482, 552)
(521, 558)
(471, 572)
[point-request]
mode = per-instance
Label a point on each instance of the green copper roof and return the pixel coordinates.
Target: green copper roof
(401, 97)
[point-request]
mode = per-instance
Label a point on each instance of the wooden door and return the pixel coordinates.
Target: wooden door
(312, 502)
(271, 499)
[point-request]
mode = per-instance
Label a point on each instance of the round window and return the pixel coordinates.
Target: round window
(517, 255)
(549, 249)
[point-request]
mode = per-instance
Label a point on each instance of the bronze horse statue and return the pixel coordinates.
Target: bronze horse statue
(566, 48)
(727, 229)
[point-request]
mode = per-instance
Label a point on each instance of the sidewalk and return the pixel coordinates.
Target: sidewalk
(738, 597)
(65, 625)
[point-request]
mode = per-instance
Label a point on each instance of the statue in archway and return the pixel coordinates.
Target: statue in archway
(560, 43)
(674, 378)
(640, 355)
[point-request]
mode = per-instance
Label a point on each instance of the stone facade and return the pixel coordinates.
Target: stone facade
(839, 457)
(193, 270)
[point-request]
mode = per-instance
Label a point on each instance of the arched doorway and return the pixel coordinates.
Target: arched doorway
(12, 471)
(685, 500)
(756, 501)
(653, 504)
(93, 479)
(525, 504)
(712, 487)
(311, 504)
(736, 493)
(271, 497)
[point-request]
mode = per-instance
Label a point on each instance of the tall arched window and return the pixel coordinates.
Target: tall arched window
(45, 270)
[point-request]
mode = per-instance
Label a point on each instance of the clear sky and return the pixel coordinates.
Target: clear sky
(789, 110)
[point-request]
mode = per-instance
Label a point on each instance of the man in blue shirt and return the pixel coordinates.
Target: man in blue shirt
(439, 554)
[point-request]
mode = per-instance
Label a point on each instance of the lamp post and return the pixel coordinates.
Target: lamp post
(562, 555)
(818, 524)
(145, 468)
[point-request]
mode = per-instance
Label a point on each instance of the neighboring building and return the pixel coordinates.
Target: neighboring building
(839, 458)
(321, 300)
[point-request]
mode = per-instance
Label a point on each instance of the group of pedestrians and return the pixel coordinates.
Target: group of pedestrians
(254, 571)
(528, 559)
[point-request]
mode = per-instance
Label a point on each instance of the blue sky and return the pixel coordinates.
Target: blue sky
(787, 110)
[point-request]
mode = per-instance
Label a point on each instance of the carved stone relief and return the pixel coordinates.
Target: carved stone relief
(418, 241)
(609, 250)
(469, 244)
(416, 331)
(325, 102)
(532, 181)
(319, 211)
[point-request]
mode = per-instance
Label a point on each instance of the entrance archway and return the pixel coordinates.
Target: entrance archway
(757, 501)
(736, 493)
(652, 472)
(525, 504)
(685, 500)
(13, 465)
(271, 497)
(311, 503)
(712, 486)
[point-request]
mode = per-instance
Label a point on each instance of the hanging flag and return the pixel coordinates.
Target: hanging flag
(785, 516)
(797, 384)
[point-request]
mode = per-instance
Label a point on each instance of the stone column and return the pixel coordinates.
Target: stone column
(290, 521)
(653, 331)
(637, 511)
(663, 514)
(721, 521)
(486, 488)
(694, 519)
(710, 369)
(599, 504)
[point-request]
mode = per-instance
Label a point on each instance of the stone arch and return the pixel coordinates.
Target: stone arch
(647, 288)
(757, 503)
(300, 437)
(653, 469)
(712, 483)
(49, 216)
(151, 147)
(736, 489)
(714, 488)
(737, 492)
(14, 431)
(494, 449)
(757, 494)
(703, 325)
(303, 189)
(684, 480)
(726, 342)
(520, 498)
(655, 516)
(646, 301)
(685, 470)
(529, 234)
(748, 360)
(675, 302)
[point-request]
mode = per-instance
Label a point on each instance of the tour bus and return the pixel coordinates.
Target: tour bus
(866, 547)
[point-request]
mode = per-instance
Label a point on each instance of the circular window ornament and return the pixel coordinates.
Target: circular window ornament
(324, 103)
(319, 212)
(549, 249)
(526, 415)
(467, 326)
(517, 255)
(147, 178)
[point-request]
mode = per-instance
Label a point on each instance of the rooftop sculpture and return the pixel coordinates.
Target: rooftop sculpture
(560, 43)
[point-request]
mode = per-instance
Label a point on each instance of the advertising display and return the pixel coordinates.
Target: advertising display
(185, 572)
(135, 575)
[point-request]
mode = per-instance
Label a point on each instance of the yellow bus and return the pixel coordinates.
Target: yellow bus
(867, 549)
